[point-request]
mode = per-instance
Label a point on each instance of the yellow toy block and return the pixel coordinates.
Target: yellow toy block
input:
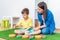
(25, 36)
(12, 35)
(37, 36)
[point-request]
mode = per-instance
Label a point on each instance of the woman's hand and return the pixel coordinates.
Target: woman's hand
(43, 26)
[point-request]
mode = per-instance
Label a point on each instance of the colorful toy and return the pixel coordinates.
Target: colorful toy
(12, 35)
(25, 36)
(39, 36)
(43, 36)
(31, 37)
(19, 36)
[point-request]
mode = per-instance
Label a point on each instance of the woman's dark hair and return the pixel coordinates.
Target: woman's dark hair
(43, 5)
(25, 10)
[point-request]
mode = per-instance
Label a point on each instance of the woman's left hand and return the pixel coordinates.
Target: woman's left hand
(43, 26)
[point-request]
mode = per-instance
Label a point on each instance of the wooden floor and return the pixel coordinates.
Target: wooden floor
(57, 31)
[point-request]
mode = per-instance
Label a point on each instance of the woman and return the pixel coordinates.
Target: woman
(46, 19)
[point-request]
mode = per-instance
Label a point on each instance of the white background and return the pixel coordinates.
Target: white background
(13, 8)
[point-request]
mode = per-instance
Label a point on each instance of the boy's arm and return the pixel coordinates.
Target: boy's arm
(28, 28)
(43, 26)
(18, 25)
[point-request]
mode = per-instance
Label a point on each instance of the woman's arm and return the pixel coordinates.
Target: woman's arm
(43, 26)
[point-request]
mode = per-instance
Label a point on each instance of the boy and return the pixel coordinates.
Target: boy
(26, 23)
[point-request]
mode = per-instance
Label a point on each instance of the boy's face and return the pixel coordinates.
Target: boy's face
(25, 16)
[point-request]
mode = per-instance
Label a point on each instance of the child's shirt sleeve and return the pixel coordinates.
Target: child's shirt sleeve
(19, 23)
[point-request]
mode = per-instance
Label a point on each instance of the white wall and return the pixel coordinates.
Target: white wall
(13, 8)
(54, 6)
(36, 3)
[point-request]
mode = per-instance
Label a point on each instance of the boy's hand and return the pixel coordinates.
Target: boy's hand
(15, 26)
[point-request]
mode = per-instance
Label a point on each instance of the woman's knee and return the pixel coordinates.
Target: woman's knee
(45, 31)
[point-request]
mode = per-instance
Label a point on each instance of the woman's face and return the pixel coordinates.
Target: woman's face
(40, 10)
